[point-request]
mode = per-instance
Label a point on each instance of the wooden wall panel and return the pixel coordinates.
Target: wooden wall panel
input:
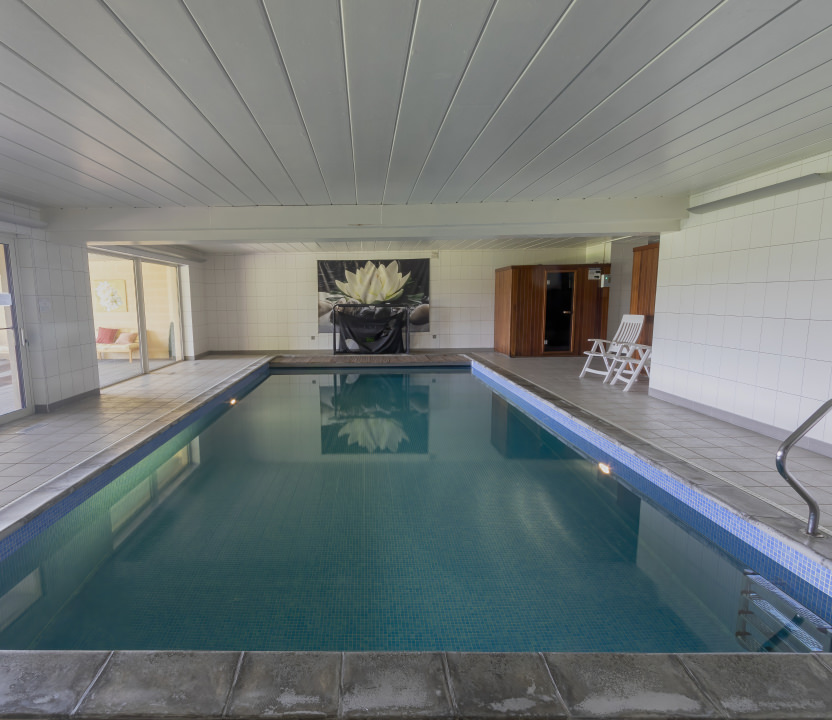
(527, 327)
(643, 292)
(502, 310)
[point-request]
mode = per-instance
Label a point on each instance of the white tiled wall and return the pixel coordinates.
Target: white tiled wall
(57, 316)
(744, 303)
(269, 301)
(194, 319)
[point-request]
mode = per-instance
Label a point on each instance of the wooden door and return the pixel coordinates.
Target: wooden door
(643, 291)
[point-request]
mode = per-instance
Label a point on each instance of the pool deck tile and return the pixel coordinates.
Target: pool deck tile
(475, 686)
(45, 684)
(288, 685)
(492, 685)
(603, 685)
(162, 684)
(395, 685)
(765, 686)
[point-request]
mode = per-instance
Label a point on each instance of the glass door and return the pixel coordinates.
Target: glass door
(162, 317)
(12, 385)
(115, 312)
(560, 289)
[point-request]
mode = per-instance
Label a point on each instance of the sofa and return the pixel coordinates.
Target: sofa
(116, 340)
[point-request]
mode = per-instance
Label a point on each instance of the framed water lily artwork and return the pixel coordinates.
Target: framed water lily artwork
(109, 296)
(375, 282)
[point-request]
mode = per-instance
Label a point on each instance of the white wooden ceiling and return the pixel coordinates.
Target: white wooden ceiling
(157, 103)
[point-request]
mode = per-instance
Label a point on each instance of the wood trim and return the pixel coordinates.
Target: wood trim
(643, 290)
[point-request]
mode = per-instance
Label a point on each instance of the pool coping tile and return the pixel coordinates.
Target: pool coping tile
(395, 685)
(288, 685)
(358, 686)
(46, 683)
(493, 685)
(625, 685)
(764, 685)
(170, 684)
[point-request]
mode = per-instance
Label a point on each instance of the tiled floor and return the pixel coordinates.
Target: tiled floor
(40, 447)
(116, 370)
(741, 457)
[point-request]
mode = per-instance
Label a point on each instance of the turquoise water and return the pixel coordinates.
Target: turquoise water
(373, 511)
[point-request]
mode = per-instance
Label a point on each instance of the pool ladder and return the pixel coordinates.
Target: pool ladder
(780, 461)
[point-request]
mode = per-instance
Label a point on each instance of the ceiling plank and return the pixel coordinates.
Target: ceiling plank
(174, 129)
(375, 29)
(240, 35)
(598, 47)
(513, 34)
(769, 113)
(310, 41)
(107, 194)
(775, 54)
(35, 121)
(444, 41)
(181, 50)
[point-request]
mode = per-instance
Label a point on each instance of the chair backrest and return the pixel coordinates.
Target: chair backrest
(629, 329)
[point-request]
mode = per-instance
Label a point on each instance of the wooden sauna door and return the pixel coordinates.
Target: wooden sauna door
(643, 290)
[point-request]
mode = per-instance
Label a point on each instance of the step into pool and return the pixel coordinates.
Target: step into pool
(383, 511)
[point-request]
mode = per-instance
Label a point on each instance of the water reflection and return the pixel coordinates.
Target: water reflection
(374, 413)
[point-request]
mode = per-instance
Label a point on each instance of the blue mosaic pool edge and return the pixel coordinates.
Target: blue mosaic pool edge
(688, 501)
(15, 537)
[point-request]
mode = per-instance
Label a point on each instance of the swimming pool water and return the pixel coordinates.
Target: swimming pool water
(377, 511)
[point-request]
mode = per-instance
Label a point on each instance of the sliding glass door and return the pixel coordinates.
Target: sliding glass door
(136, 314)
(115, 313)
(163, 326)
(13, 400)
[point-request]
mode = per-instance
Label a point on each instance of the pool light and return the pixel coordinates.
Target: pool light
(604, 468)
(232, 401)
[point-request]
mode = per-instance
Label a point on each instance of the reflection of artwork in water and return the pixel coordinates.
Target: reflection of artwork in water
(374, 413)
(375, 282)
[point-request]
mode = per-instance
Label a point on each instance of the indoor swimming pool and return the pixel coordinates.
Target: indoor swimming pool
(391, 511)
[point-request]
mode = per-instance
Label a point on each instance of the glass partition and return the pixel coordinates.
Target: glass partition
(12, 396)
(116, 318)
(161, 314)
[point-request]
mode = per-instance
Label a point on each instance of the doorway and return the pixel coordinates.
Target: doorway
(560, 297)
(136, 312)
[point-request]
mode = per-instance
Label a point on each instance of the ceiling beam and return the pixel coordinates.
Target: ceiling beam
(203, 226)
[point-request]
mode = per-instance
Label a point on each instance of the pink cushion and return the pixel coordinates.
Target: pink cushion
(106, 335)
(126, 338)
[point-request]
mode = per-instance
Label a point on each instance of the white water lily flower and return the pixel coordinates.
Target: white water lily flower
(372, 285)
(374, 434)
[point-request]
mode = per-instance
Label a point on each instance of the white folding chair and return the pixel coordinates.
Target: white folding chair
(610, 351)
(630, 365)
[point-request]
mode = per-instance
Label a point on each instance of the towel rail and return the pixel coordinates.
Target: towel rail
(780, 461)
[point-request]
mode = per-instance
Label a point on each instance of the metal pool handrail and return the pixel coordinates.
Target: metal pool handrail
(780, 461)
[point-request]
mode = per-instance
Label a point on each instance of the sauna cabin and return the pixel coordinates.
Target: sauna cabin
(542, 310)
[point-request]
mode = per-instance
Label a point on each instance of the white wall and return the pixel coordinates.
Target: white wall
(269, 301)
(57, 317)
(621, 275)
(194, 320)
(744, 304)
